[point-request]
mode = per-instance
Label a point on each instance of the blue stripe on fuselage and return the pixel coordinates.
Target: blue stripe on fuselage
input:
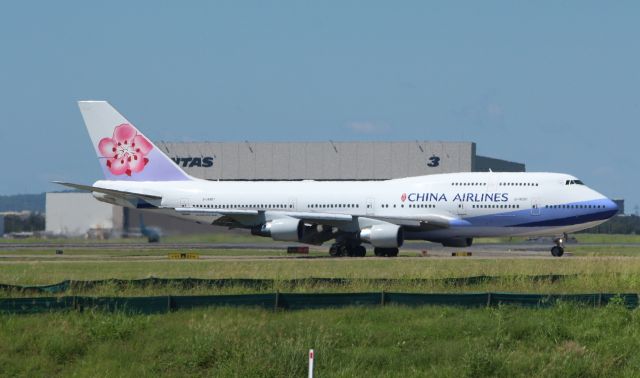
(571, 214)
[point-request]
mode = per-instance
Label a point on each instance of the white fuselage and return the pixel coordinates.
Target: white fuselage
(475, 204)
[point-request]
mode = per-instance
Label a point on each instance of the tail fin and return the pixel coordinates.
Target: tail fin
(123, 151)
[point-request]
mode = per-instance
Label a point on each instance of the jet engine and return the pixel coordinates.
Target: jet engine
(282, 229)
(383, 235)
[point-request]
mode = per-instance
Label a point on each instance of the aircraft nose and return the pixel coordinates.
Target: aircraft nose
(611, 206)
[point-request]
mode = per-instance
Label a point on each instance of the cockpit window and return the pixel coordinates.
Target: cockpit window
(578, 182)
(574, 182)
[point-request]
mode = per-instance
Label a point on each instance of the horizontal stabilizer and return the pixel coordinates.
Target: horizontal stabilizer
(113, 192)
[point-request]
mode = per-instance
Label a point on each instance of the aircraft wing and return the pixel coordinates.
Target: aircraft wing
(245, 217)
(240, 217)
(215, 212)
(232, 218)
(116, 193)
(426, 221)
(311, 217)
(422, 222)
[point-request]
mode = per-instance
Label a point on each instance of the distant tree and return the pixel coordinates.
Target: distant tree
(23, 202)
(16, 223)
(617, 225)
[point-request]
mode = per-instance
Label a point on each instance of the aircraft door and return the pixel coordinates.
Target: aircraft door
(370, 206)
(461, 209)
(292, 204)
(492, 184)
(184, 202)
(535, 207)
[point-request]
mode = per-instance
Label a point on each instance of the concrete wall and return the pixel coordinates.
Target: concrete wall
(73, 214)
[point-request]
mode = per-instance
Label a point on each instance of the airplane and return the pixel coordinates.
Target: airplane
(451, 209)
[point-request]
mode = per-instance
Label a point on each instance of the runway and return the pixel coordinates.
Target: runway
(111, 251)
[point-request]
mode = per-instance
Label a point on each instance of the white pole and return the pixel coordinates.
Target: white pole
(311, 356)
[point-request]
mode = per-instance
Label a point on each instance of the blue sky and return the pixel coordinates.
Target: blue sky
(555, 85)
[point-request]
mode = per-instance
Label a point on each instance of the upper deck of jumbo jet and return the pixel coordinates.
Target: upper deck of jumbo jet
(494, 177)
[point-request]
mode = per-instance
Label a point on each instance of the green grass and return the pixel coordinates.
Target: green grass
(605, 250)
(607, 238)
(602, 269)
(593, 274)
(50, 271)
(515, 284)
(565, 340)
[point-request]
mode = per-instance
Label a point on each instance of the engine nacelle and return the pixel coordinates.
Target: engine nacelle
(383, 235)
(282, 229)
(457, 242)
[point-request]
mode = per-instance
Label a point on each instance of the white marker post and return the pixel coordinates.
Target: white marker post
(311, 356)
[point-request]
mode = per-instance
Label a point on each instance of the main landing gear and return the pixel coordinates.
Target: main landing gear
(558, 249)
(347, 249)
(354, 249)
(389, 252)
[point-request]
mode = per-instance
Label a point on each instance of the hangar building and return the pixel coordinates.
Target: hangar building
(290, 161)
(77, 214)
(329, 160)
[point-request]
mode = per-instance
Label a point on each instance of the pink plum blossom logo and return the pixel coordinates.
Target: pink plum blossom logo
(403, 197)
(126, 152)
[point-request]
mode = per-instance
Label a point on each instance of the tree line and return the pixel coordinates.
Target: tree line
(628, 224)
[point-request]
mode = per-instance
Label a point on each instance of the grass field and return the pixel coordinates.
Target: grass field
(564, 340)
(592, 274)
(598, 268)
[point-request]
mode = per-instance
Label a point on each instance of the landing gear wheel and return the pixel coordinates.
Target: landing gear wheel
(355, 250)
(348, 249)
(557, 251)
(390, 252)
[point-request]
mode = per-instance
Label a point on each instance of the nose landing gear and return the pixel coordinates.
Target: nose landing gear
(558, 249)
